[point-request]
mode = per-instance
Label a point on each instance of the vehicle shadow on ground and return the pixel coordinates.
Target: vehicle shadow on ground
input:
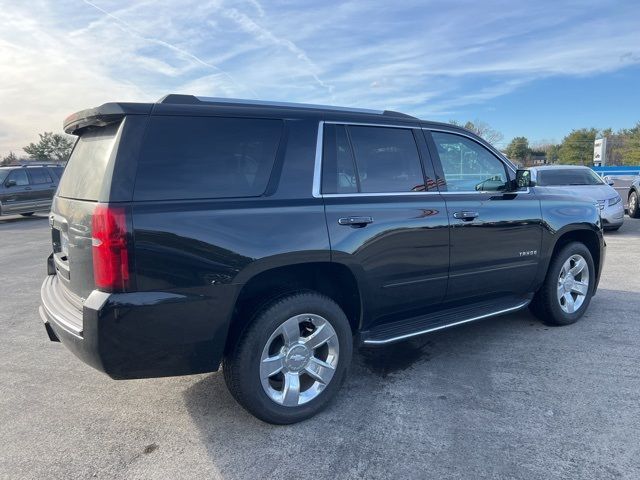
(37, 218)
(365, 400)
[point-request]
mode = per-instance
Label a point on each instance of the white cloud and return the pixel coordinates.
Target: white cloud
(426, 58)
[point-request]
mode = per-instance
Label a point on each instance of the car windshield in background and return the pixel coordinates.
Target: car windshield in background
(579, 176)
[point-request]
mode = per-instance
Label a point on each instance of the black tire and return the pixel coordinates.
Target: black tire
(545, 304)
(634, 207)
(27, 214)
(612, 229)
(241, 366)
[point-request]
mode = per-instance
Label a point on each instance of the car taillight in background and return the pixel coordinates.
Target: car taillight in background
(111, 270)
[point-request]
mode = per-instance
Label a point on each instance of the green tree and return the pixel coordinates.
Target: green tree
(482, 129)
(9, 159)
(518, 149)
(577, 147)
(630, 150)
(53, 147)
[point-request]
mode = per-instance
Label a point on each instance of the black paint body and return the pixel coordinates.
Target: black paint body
(192, 258)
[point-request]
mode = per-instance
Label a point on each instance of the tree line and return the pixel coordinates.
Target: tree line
(623, 146)
(51, 147)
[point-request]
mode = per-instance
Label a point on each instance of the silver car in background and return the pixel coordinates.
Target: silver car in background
(585, 183)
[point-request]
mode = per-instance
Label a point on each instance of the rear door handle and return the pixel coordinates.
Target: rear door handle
(357, 222)
(465, 215)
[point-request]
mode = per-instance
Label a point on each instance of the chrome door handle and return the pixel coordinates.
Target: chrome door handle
(357, 222)
(466, 216)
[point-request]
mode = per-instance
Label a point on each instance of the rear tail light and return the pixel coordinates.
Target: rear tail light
(111, 262)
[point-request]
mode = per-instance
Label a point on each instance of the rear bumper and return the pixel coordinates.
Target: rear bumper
(142, 334)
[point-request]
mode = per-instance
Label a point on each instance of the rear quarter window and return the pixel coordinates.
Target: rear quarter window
(206, 157)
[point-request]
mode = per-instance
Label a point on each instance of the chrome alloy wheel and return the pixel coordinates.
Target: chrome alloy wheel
(573, 283)
(299, 360)
(633, 202)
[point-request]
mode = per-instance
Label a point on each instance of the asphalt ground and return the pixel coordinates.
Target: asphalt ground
(502, 398)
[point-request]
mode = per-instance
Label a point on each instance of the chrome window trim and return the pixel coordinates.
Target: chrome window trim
(317, 167)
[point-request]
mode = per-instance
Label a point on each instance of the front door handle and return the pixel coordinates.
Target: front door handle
(357, 222)
(465, 215)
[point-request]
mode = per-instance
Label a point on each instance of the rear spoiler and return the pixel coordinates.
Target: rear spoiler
(103, 115)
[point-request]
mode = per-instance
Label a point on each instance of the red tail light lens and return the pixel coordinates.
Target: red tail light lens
(110, 249)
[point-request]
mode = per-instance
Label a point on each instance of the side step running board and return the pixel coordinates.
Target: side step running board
(396, 331)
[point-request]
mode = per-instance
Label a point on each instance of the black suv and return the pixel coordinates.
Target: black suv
(272, 238)
(27, 189)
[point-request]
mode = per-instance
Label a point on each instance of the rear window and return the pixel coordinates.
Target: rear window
(85, 171)
(206, 157)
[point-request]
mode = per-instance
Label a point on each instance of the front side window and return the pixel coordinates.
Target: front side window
(467, 165)
(20, 177)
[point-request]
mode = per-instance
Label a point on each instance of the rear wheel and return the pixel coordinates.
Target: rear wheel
(290, 361)
(568, 287)
(634, 208)
(27, 214)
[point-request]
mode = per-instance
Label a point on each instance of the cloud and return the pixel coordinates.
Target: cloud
(426, 58)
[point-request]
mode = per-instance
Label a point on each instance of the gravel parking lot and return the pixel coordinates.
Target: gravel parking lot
(503, 398)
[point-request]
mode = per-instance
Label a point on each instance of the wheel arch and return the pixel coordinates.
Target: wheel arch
(335, 280)
(590, 237)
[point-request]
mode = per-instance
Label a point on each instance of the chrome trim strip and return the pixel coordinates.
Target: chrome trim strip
(267, 103)
(317, 167)
(442, 327)
(381, 194)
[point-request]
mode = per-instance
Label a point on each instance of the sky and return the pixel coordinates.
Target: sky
(537, 68)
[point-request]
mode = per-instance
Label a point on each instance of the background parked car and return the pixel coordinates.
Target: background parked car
(583, 182)
(634, 198)
(26, 189)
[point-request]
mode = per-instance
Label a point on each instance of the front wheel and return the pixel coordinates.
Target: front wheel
(290, 361)
(634, 208)
(568, 287)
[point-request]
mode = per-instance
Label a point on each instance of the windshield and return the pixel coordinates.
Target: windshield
(3, 175)
(564, 176)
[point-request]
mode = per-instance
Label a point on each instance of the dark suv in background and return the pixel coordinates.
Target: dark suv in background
(271, 238)
(26, 189)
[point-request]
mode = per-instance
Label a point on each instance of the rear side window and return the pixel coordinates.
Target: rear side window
(87, 166)
(39, 175)
(370, 160)
(206, 157)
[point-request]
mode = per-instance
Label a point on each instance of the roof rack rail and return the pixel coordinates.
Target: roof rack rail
(393, 113)
(195, 100)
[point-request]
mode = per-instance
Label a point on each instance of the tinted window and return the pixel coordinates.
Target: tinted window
(206, 157)
(386, 159)
(39, 175)
(338, 168)
(561, 176)
(87, 165)
(57, 171)
(467, 165)
(20, 177)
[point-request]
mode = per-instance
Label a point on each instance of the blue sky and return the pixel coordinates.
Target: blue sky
(537, 69)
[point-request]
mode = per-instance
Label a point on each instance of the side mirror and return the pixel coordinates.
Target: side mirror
(523, 179)
(609, 181)
(10, 183)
